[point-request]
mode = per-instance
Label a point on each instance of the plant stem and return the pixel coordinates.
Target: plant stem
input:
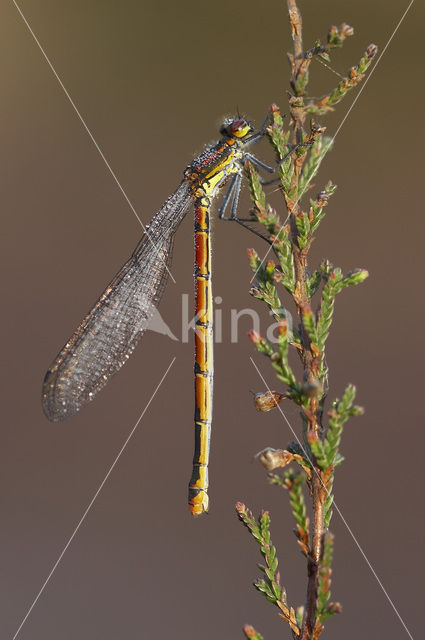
(296, 27)
(301, 299)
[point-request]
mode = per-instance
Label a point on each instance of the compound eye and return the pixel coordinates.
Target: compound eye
(238, 126)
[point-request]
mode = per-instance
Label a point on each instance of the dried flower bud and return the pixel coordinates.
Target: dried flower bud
(312, 437)
(274, 458)
(249, 631)
(254, 337)
(317, 129)
(371, 51)
(268, 400)
(332, 33)
(352, 73)
(240, 507)
(270, 266)
(334, 607)
(337, 35)
(283, 327)
(255, 292)
(346, 30)
(322, 199)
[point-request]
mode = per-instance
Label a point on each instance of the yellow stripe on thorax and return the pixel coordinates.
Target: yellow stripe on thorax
(212, 179)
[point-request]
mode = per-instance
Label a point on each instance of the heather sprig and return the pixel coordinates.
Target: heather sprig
(286, 280)
(269, 585)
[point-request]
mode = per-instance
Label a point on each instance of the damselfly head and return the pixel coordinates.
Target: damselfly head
(236, 128)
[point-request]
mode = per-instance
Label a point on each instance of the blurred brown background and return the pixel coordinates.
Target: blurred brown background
(152, 81)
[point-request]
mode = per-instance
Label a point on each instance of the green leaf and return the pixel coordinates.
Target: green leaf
(303, 226)
(313, 283)
(270, 585)
(299, 614)
(283, 248)
(293, 483)
(354, 277)
(319, 451)
(318, 151)
(309, 324)
(257, 194)
(340, 412)
(327, 517)
(280, 359)
(325, 572)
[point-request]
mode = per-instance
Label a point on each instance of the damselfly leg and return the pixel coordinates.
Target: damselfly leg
(233, 192)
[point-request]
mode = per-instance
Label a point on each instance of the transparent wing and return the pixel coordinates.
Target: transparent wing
(109, 333)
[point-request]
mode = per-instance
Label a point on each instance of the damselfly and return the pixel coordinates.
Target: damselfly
(109, 333)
